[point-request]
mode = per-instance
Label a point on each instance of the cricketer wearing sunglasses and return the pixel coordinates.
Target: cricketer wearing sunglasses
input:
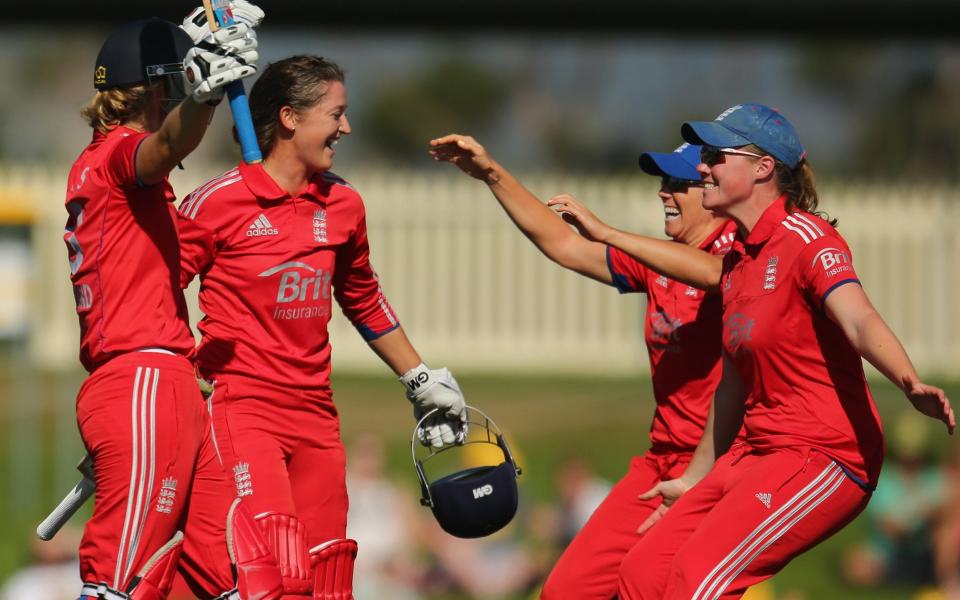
(682, 334)
(796, 323)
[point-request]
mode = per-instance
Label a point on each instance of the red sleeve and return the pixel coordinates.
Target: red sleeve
(824, 265)
(198, 247)
(357, 289)
(122, 160)
(628, 274)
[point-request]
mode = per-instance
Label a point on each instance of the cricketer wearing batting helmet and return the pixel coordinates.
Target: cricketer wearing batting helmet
(140, 413)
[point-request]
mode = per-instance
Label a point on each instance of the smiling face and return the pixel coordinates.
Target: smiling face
(315, 130)
(683, 214)
(729, 177)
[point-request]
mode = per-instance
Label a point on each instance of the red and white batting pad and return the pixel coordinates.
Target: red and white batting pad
(287, 538)
(332, 563)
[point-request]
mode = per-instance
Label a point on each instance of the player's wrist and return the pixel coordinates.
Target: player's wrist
(416, 380)
(493, 174)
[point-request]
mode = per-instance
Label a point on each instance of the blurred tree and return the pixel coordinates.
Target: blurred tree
(918, 130)
(450, 96)
(907, 102)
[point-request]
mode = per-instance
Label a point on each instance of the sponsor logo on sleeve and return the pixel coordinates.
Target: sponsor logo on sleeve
(833, 261)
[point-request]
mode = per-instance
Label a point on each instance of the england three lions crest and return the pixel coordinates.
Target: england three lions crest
(320, 226)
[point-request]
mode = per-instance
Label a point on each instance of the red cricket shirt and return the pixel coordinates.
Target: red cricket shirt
(269, 264)
(122, 245)
(806, 380)
(682, 332)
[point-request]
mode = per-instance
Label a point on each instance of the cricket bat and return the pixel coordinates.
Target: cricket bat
(220, 14)
(70, 503)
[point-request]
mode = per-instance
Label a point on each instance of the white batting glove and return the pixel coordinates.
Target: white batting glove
(195, 24)
(436, 388)
(210, 66)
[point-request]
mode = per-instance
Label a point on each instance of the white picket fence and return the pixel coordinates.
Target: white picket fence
(473, 293)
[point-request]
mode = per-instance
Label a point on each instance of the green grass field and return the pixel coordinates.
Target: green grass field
(604, 421)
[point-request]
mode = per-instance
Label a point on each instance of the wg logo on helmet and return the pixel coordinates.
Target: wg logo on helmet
(482, 491)
(100, 75)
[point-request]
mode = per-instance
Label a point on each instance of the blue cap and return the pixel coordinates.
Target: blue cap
(745, 124)
(681, 163)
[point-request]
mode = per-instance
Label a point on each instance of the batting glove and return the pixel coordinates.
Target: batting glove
(195, 24)
(208, 67)
(428, 389)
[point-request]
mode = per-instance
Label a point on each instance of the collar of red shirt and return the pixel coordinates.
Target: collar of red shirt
(766, 225)
(99, 135)
(705, 244)
(263, 186)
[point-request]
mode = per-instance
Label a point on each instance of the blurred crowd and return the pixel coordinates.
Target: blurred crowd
(912, 534)
(913, 520)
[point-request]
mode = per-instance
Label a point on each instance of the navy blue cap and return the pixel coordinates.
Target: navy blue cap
(681, 163)
(133, 48)
(745, 124)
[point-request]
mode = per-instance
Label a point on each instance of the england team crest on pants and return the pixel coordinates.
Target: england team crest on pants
(167, 496)
(241, 476)
(320, 226)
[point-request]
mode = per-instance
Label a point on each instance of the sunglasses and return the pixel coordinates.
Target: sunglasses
(711, 155)
(676, 184)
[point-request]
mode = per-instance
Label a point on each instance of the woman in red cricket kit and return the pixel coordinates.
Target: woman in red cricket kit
(796, 323)
(682, 334)
(274, 244)
(140, 413)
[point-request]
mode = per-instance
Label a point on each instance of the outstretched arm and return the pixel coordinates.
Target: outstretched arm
(849, 307)
(677, 261)
(548, 233)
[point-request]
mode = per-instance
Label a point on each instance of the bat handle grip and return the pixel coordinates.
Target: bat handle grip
(69, 505)
(244, 123)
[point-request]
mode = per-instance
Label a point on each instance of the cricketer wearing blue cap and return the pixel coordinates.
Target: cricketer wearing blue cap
(680, 164)
(796, 325)
(746, 124)
(682, 334)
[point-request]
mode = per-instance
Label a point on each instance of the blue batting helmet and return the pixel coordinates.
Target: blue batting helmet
(476, 501)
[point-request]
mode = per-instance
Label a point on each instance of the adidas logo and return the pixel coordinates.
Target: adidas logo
(261, 227)
(764, 498)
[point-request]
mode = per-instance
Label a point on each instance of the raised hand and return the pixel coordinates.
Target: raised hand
(578, 215)
(208, 67)
(464, 152)
(196, 26)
